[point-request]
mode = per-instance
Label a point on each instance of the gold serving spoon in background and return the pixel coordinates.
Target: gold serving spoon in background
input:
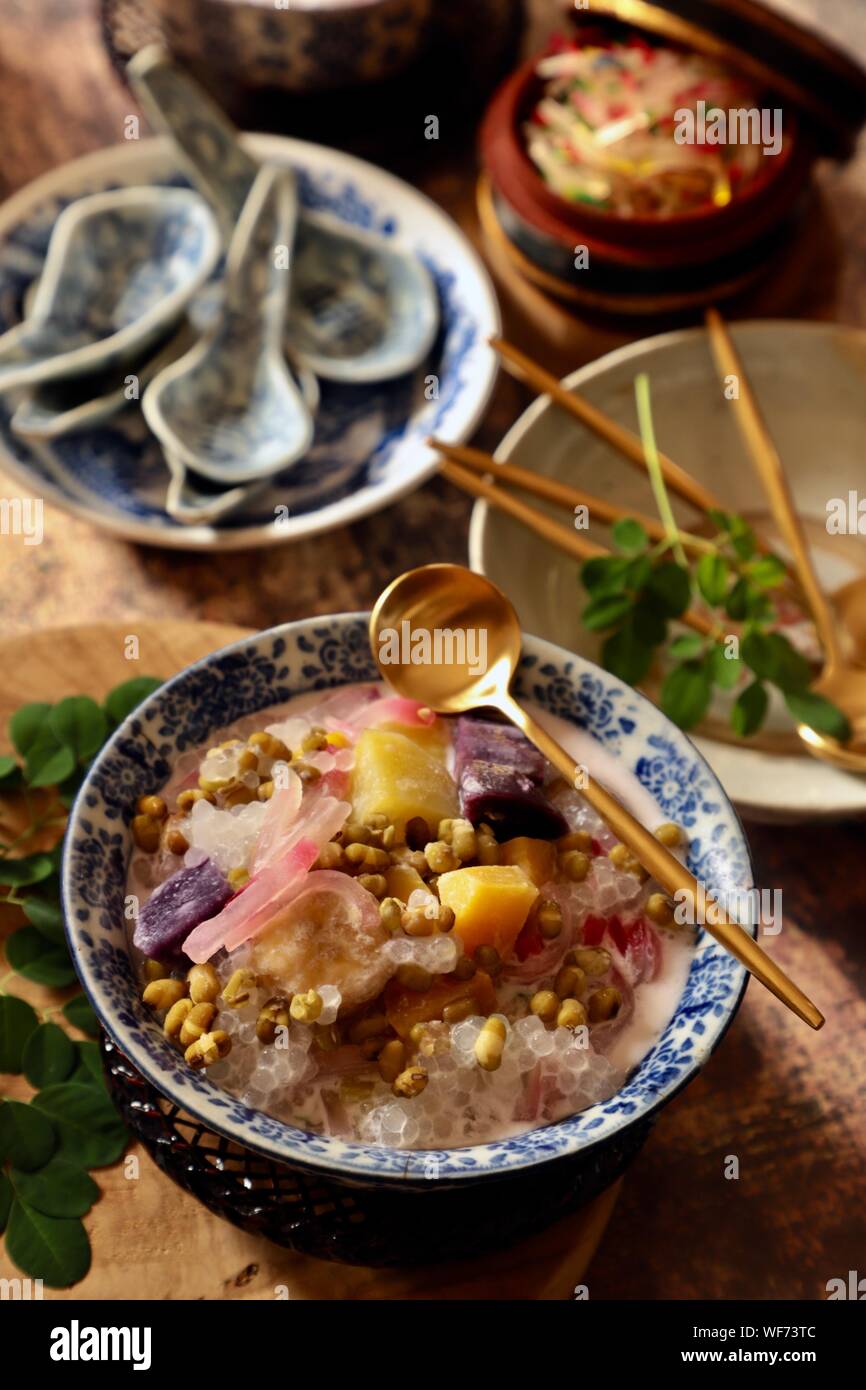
(839, 681)
(439, 597)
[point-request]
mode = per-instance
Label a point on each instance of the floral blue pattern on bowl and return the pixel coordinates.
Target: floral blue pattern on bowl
(297, 48)
(312, 655)
(119, 270)
(370, 445)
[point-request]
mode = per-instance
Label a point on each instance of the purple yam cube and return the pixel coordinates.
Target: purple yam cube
(481, 740)
(509, 801)
(189, 897)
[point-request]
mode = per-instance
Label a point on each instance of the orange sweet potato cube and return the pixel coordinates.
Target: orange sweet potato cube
(537, 858)
(490, 902)
(406, 1007)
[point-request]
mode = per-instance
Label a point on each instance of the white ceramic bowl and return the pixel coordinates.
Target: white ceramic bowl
(811, 382)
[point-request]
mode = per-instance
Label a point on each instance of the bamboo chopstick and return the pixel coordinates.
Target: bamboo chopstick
(560, 494)
(619, 438)
(608, 429)
(578, 547)
(565, 539)
(768, 465)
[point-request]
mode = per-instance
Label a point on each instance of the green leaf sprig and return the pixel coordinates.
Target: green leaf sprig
(48, 1144)
(639, 590)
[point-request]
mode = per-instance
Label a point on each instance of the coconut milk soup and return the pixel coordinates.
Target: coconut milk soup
(401, 929)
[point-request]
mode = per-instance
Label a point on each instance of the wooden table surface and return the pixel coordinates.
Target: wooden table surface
(786, 1102)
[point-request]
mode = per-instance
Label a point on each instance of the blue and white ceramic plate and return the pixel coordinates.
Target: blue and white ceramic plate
(369, 448)
(313, 655)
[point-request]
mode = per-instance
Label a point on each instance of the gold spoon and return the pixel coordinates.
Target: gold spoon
(839, 681)
(436, 598)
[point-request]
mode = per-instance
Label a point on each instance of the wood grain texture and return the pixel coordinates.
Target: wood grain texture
(181, 1250)
(789, 1103)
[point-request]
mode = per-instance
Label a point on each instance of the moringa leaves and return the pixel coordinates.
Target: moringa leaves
(77, 723)
(90, 1131)
(749, 710)
(808, 707)
(88, 1068)
(49, 1055)
(128, 696)
(25, 725)
(27, 1137)
(79, 1013)
(17, 1021)
(686, 693)
(47, 1145)
(59, 1189)
(636, 592)
(46, 916)
(30, 869)
(45, 1247)
(6, 1195)
(37, 959)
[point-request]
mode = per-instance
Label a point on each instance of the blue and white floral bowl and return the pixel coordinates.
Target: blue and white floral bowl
(302, 46)
(315, 654)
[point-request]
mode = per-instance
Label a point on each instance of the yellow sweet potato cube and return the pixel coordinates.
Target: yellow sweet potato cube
(433, 737)
(537, 858)
(396, 777)
(490, 902)
(402, 880)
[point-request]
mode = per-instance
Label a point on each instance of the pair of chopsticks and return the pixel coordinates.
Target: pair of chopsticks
(462, 463)
(466, 467)
(471, 469)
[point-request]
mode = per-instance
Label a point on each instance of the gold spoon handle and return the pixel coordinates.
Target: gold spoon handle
(665, 867)
(765, 457)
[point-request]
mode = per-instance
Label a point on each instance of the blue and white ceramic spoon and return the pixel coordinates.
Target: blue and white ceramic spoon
(194, 501)
(230, 409)
(120, 269)
(54, 409)
(360, 310)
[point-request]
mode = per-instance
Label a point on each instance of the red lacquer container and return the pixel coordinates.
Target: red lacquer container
(688, 254)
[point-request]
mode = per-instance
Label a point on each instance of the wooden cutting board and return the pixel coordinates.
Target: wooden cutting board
(179, 1249)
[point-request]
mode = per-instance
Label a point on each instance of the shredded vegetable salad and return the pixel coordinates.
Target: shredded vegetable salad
(603, 132)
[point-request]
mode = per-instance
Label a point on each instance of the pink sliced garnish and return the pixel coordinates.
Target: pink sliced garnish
(350, 710)
(397, 709)
(273, 885)
(248, 912)
(279, 819)
(342, 707)
(335, 782)
(319, 817)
